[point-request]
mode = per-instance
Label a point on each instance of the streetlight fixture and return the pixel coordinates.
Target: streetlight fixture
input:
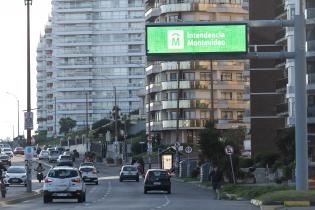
(28, 3)
(18, 112)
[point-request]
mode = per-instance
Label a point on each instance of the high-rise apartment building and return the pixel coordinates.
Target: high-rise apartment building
(272, 81)
(198, 95)
(96, 46)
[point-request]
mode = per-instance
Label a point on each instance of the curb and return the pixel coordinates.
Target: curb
(35, 194)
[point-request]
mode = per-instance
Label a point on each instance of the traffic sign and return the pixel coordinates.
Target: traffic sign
(28, 153)
(188, 149)
(229, 150)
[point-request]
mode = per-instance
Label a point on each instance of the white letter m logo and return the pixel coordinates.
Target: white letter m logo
(175, 39)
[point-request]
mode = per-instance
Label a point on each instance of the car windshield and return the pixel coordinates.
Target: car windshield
(54, 152)
(86, 169)
(129, 168)
(65, 164)
(87, 164)
(62, 173)
(16, 170)
(6, 150)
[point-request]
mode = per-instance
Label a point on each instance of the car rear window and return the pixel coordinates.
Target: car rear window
(86, 169)
(4, 157)
(129, 168)
(65, 158)
(16, 170)
(62, 173)
(158, 174)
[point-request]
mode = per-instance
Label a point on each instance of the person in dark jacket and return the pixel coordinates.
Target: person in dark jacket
(2, 169)
(216, 177)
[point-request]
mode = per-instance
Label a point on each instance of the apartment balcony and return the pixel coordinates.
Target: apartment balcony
(281, 85)
(229, 85)
(185, 104)
(281, 36)
(153, 69)
(231, 104)
(229, 123)
(153, 88)
(152, 13)
(282, 108)
(310, 13)
(183, 124)
(155, 125)
(281, 12)
(173, 85)
(154, 106)
(310, 45)
(311, 111)
(166, 66)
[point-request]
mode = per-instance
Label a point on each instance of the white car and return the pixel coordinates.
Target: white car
(15, 175)
(43, 155)
(64, 182)
(89, 174)
(7, 151)
(129, 172)
(53, 156)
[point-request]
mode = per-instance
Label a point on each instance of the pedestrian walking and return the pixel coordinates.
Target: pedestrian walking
(216, 177)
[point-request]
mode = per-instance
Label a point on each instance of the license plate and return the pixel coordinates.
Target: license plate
(156, 183)
(61, 194)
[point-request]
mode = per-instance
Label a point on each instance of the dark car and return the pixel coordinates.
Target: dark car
(18, 151)
(157, 179)
(5, 159)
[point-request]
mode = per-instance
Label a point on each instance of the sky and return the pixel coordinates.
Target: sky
(13, 60)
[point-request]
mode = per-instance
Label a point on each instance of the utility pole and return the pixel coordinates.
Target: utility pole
(300, 97)
(28, 3)
(116, 127)
(86, 121)
(212, 97)
(55, 119)
(149, 138)
(177, 144)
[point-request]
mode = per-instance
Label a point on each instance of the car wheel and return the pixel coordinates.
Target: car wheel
(80, 198)
(120, 179)
(84, 197)
(25, 185)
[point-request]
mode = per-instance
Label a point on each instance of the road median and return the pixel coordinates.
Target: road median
(21, 197)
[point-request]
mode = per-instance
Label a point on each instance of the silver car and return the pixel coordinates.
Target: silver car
(53, 156)
(43, 155)
(89, 174)
(63, 182)
(15, 175)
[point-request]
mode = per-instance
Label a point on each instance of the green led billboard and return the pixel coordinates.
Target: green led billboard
(191, 39)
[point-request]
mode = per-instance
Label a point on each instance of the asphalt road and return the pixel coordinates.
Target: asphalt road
(113, 195)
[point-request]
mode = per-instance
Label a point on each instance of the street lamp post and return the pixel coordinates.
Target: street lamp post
(86, 121)
(28, 3)
(18, 112)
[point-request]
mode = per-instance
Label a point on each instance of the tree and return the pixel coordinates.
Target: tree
(66, 124)
(286, 144)
(235, 138)
(211, 146)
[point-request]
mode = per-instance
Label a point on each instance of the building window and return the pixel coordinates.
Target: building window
(173, 76)
(190, 115)
(240, 115)
(205, 76)
(227, 95)
(226, 76)
(239, 77)
(189, 76)
(227, 115)
(239, 96)
(204, 115)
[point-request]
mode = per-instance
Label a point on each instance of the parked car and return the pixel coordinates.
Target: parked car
(63, 182)
(5, 159)
(15, 175)
(7, 151)
(53, 156)
(18, 151)
(89, 174)
(129, 172)
(157, 179)
(43, 155)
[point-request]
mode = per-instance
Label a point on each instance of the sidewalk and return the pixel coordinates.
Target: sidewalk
(17, 197)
